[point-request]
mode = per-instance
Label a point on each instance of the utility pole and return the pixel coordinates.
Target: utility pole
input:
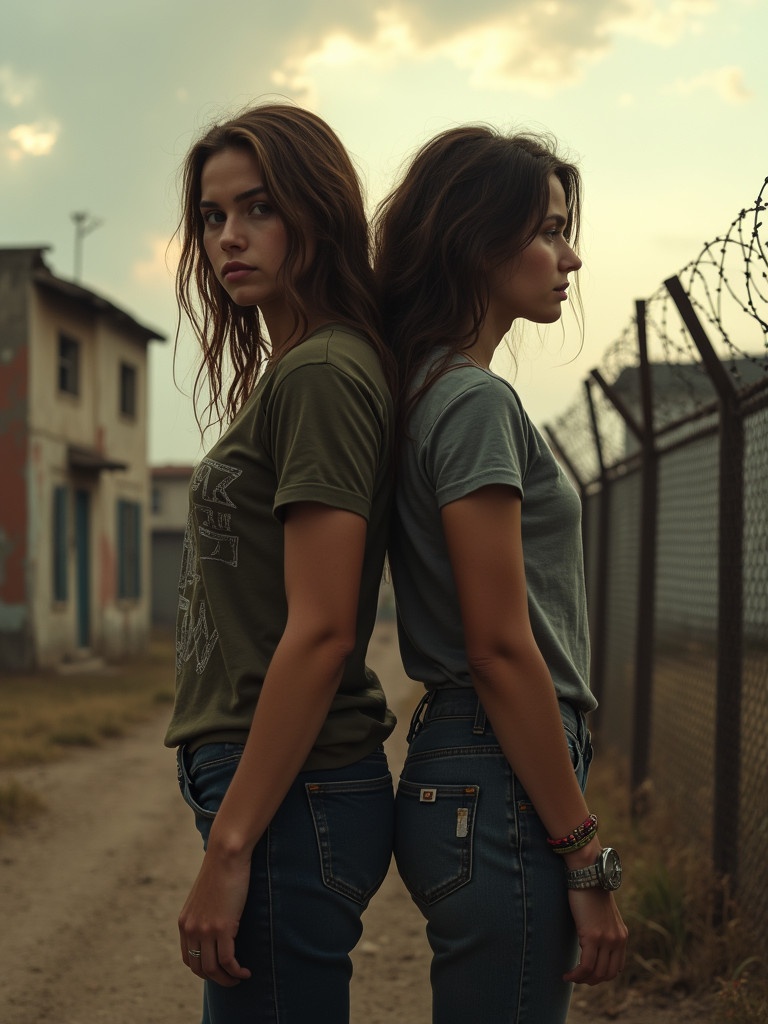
(84, 225)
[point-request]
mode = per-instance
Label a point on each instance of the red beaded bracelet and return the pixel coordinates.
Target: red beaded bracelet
(580, 836)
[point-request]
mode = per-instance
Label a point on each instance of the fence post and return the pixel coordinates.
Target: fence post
(730, 594)
(598, 621)
(643, 688)
(646, 601)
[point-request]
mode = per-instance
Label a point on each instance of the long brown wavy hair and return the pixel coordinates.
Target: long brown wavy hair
(314, 187)
(471, 199)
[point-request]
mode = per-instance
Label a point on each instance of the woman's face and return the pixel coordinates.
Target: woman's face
(245, 238)
(533, 284)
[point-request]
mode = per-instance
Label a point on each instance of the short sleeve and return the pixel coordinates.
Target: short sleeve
(326, 439)
(478, 437)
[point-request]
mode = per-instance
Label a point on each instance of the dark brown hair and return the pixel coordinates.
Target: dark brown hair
(314, 187)
(471, 198)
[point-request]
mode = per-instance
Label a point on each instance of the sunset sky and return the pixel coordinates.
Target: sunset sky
(662, 103)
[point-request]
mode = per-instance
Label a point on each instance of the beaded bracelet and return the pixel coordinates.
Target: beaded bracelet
(580, 836)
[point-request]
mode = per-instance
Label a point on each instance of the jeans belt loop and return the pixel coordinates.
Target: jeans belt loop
(480, 720)
(417, 718)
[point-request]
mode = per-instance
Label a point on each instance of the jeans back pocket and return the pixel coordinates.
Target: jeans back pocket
(353, 824)
(434, 837)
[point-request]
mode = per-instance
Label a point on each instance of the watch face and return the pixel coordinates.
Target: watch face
(609, 869)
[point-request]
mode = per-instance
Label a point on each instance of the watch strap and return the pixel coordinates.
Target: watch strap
(583, 878)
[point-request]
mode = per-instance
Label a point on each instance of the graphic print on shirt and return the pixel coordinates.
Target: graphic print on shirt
(209, 536)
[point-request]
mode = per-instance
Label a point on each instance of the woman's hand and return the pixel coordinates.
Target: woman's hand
(210, 919)
(602, 936)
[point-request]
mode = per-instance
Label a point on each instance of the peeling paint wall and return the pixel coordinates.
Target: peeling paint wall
(38, 425)
(15, 638)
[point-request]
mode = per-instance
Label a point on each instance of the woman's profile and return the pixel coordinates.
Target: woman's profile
(493, 836)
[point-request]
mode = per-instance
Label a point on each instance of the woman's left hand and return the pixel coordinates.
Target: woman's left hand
(602, 936)
(209, 921)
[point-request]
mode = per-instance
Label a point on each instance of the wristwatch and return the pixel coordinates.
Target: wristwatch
(605, 873)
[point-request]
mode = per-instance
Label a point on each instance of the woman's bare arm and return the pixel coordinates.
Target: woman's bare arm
(483, 534)
(324, 550)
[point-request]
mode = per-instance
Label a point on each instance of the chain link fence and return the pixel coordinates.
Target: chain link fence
(668, 444)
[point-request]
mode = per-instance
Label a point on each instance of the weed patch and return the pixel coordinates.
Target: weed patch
(687, 938)
(43, 715)
(17, 804)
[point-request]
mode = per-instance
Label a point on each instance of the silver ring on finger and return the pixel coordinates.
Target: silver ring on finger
(195, 952)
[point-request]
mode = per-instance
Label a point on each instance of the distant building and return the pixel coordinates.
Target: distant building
(170, 503)
(74, 500)
(680, 390)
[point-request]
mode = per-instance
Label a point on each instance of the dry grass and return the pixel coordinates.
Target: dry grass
(42, 715)
(17, 804)
(687, 939)
(45, 716)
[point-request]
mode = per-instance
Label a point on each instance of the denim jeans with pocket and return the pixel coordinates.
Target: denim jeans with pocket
(324, 855)
(474, 857)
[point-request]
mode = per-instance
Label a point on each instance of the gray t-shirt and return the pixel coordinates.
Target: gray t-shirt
(467, 431)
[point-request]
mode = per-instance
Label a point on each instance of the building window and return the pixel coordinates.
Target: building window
(157, 499)
(69, 365)
(128, 549)
(60, 508)
(128, 389)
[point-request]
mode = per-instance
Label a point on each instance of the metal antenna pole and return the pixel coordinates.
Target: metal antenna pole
(84, 225)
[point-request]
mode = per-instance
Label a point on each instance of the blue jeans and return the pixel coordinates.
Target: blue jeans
(324, 855)
(474, 857)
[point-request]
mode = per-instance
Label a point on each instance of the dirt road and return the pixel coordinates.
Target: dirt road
(90, 892)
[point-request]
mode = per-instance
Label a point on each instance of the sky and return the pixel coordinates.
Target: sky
(661, 102)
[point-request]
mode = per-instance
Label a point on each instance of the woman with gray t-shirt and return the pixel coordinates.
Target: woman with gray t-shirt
(493, 836)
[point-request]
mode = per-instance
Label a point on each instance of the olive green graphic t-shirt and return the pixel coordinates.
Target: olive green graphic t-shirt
(318, 427)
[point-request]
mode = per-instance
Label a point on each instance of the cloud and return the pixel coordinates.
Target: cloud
(659, 22)
(30, 138)
(497, 53)
(15, 90)
(728, 83)
(499, 45)
(391, 42)
(36, 139)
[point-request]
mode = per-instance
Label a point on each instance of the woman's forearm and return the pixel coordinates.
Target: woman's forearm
(323, 563)
(518, 696)
(513, 682)
(298, 690)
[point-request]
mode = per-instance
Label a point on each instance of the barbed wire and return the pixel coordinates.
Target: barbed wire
(708, 284)
(729, 277)
(572, 434)
(752, 249)
(621, 354)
